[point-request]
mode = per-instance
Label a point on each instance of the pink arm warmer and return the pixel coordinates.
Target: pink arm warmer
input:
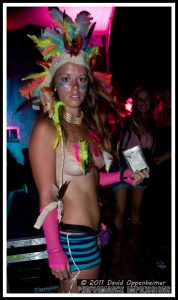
(115, 177)
(56, 256)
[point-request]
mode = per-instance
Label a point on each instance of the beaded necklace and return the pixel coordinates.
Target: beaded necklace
(72, 119)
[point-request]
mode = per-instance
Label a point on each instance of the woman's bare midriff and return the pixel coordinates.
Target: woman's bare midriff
(81, 205)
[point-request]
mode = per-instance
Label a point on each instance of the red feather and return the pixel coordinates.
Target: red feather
(76, 45)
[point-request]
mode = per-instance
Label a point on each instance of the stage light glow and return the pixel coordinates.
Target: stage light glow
(128, 105)
(18, 17)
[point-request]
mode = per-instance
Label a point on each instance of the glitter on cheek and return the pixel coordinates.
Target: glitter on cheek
(84, 87)
(64, 84)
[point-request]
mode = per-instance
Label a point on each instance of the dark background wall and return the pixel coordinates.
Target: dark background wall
(140, 47)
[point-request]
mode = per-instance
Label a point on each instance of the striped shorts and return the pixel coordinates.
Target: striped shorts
(81, 249)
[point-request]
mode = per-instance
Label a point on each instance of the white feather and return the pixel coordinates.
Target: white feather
(107, 159)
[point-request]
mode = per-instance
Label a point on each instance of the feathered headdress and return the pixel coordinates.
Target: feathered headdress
(67, 42)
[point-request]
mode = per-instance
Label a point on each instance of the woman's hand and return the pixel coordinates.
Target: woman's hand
(134, 178)
(62, 273)
(139, 176)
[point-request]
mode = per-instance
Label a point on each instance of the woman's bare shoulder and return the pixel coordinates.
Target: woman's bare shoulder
(44, 129)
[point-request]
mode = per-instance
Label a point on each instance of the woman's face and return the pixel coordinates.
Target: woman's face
(71, 82)
(142, 102)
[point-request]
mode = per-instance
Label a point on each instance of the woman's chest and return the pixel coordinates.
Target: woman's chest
(76, 159)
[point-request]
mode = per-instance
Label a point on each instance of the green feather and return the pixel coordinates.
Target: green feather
(35, 75)
(51, 53)
(56, 121)
(92, 51)
(71, 28)
(58, 136)
(41, 43)
(56, 39)
(83, 155)
(55, 116)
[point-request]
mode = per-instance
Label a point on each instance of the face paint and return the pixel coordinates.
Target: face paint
(84, 87)
(64, 84)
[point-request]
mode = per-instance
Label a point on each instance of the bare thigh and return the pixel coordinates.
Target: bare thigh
(137, 199)
(84, 274)
(121, 196)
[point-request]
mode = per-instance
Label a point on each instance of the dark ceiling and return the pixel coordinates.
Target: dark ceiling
(140, 47)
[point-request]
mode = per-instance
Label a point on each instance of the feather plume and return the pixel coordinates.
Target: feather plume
(75, 46)
(43, 64)
(84, 155)
(35, 75)
(66, 44)
(56, 14)
(34, 100)
(92, 51)
(58, 136)
(76, 35)
(48, 49)
(90, 31)
(88, 36)
(70, 30)
(62, 190)
(77, 153)
(67, 18)
(60, 27)
(107, 159)
(55, 116)
(83, 22)
(81, 155)
(23, 105)
(41, 43)
(55, 37)
(29, 89)
(55, 51)
(68, 36)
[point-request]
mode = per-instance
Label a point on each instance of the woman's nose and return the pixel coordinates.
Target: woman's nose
(75, 84)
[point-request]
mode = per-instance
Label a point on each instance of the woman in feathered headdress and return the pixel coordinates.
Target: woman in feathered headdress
(68, 146)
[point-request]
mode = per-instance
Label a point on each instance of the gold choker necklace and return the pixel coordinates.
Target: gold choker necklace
(72, 119)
